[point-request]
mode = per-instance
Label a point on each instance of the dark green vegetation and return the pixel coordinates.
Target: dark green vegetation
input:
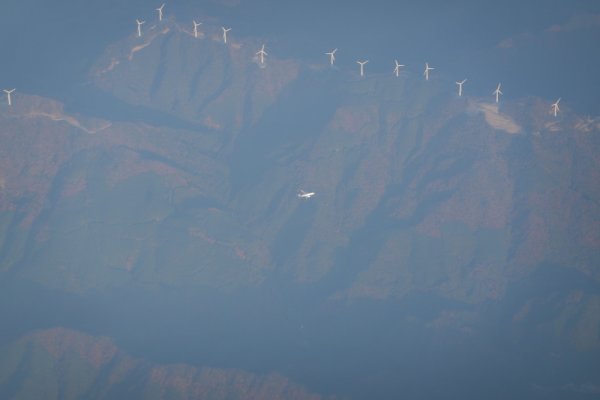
(450, 241)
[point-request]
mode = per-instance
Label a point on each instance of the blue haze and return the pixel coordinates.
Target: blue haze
(329, 347)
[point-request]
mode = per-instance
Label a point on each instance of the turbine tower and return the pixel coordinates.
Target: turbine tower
(225, 30)
(331, 55)
(196, 25)
(555, 108)
(397, 69)
(160, 12)
(497, 92)
(460, 85)
(362, 67)
(262, 53)
(8, 93)
(427, 69)
(140, 23)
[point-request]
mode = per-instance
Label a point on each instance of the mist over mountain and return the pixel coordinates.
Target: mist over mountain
(153, 244)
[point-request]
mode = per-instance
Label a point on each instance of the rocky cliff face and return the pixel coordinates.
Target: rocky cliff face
(493, 209)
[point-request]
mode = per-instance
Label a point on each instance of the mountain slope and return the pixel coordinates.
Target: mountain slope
(64, 364)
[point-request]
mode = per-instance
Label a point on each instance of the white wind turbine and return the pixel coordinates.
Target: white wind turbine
(8, 93)
(225, 30)
(555, 108)
(196, 25)
(427, 69)
(262, 53)
(397, 69)
(362, 67)
(160, 12)
(460, 85)
(331, 55)
(497, 92)
(140, 23)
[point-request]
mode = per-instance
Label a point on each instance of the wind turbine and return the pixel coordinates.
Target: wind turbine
(427, 69)
(497, 92)
(397, 69)
(160, 12)
(225, 30)
(196, 25)
(262, 53)
(331, 55)
(460, 84)
(8, 92)
(555, 108)
(362, 67)
(140, 23)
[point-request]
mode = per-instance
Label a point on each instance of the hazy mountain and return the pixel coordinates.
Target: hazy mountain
(452, 246)
(68, 365)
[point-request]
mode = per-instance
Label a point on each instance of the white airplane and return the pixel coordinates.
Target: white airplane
(497, 92)
(140, 23)
(555, 108)
(427, 69)
(362, 67)
(460, 84)
(331, 55)
(305, 195)
(262, 53)
(8, 92)
(225, 30)
(397, 69)
(160, 12)
(196, 25)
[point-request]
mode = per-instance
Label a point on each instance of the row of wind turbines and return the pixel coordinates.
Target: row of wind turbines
(262, 53)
